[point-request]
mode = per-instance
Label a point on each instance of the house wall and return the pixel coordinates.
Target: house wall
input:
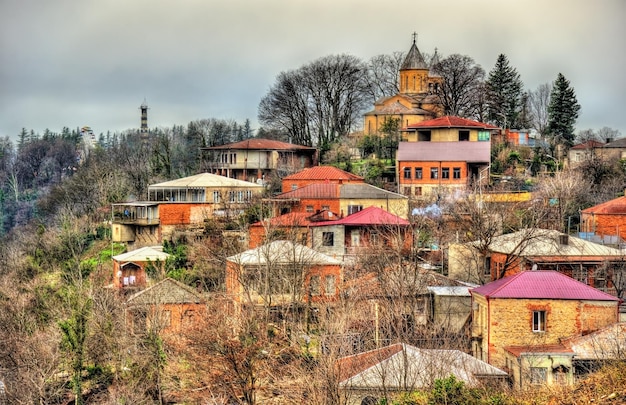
(465, 263)
(122, 233)
(338, 248)
(412, 185)
(498, 323)
(120, 272)
(604, 224)
(451, 312)
(396, 206)
(236, 291)
(289, 185)
(316, 205)
(520, 369)
(258, 234)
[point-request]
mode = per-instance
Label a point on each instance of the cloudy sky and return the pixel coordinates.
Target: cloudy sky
(92, 62)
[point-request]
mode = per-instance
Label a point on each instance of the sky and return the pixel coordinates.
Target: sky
(93, 62)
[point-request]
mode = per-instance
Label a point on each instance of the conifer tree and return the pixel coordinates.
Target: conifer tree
(562, 112)
(504, 94)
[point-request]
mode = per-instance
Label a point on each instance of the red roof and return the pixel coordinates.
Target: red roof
(615, 206)
(262, 144)
(370, 216)
(323, 173)
(588, 145)
(450, 121)
(320, 190)
(541, 284)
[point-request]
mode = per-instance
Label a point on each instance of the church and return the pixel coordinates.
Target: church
(417, 99)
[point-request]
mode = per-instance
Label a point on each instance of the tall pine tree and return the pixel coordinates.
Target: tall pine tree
(504, 95)
(562, 112)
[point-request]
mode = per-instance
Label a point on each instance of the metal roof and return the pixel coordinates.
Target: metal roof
(367, 191)
(541, 284)
(614, 206)
(144, 254)
(261, 144)
(462, 151)
(323, 173)
(451, 121)
(369, 216)
(282, 252)
(402, 367)
(204, 180)
(413, 59)
(536, 242)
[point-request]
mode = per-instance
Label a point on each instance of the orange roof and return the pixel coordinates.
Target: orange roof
(321, 190)
(262, 144)
(323, 173)
(588, 145)
(615, 206)
(451, 121)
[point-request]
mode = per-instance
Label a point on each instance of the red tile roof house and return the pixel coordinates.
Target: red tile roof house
(129, 269)
(344, 199)
(254, 159)
(516, 318)
(282, 273)
(599, 266)
(368, 377)
(605, 222)
(367, 231)
(583, 152)
(443, 155)
(319, 174)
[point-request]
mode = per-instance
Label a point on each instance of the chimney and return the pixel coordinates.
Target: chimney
(564, 239)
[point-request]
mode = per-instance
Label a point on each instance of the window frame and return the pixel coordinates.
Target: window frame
(539, 321)
(328, 239)
(456, 172)
(418, 173)
(434, 173)
(445, 173)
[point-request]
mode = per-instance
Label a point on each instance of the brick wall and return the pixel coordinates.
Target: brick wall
(509, 322)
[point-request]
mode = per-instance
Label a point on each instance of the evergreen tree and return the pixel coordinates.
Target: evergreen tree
(504, 95)
(562, 112)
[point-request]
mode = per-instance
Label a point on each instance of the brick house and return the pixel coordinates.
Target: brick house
(606, 221)
(442, 155)
(534, 309)
(167, 307)
(281, 273)
(596, 265)
(344, 199)
(256, 158)
(129, 269)
(180, 205)
(319, 174)
(368, 230)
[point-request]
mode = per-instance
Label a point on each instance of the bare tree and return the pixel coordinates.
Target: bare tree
(538, 101)
(460, 92)
(383, 75)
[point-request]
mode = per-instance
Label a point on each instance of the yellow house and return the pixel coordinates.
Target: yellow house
(417, 100)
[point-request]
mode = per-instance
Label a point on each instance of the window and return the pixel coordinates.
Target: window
(325, 207)
(487, 269)
(445, 173)
(418, 191)
(418, 173)
(538, 375)
(434, 173)
(309, 208)
(483, 136)
(456, 173)
(353, 209)
(329, 285)
(599, 279)
(463, 135)
(294, 186)
(407, 172)
(328, 238)
(314, 285)
(539, 321)
(374, 238)
(407, 190)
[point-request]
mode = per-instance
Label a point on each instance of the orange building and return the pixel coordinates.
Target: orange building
(606, 221)
(442, 155)
(319, 174)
